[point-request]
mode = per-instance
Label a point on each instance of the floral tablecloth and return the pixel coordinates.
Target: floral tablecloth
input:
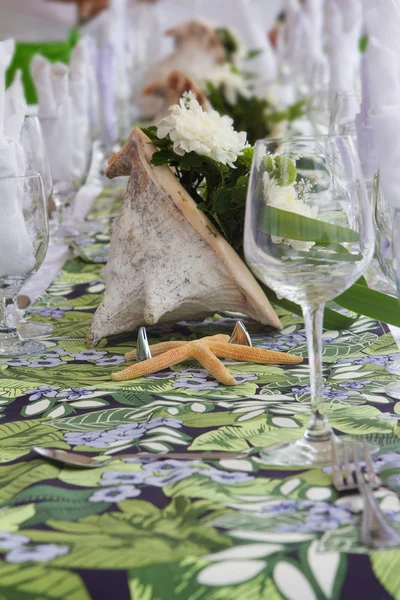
(163, 529)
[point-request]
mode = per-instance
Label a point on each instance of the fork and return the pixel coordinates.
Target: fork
(376, 530)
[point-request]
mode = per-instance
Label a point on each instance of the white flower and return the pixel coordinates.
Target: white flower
(191, 129)
(233, 83)
(286, 198)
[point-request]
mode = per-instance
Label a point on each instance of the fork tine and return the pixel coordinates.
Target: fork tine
(337, 477)
(347, 467)
(373, 478)
(357, 468)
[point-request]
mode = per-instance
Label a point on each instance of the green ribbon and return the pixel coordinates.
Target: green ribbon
(24, 51)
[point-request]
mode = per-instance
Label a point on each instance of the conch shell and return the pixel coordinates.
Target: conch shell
(171, 89)
(167, 261)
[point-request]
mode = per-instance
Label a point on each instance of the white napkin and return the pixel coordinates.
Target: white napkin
(92, 87)
(55, 114)
(366, 145)
(16, 249)
(40, 69)
(107, 78)
(79, 80)
(383, 62)
(344, 29)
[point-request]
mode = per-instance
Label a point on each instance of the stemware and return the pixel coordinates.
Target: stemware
(69, 169)
(387, 229)
(24, 234)
(309, 237)
(345, 108)
(36, 160)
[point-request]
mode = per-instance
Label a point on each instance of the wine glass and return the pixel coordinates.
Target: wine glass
(346, 107)
(24, 234)
(36, 160)
(308, 243)
(69, 168)
(386, 230)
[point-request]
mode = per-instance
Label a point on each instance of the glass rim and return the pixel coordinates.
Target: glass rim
(303, 138)
(30, 175)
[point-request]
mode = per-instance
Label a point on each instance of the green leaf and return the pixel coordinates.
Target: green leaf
(363, 44)
(371, 303)
(99, 420)
(22, 475)
(25, 434)
(288, 225)
(333, 321)
(358, 422)
(21, 582)
(386, 566)
(54, 503)
(11, 517)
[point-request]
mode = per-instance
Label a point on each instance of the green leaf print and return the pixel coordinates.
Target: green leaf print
(386, 566)
(58, 503)
(11, 517)
(364, 420)
(135, 540)
(20, 582)
(22, 475)
(383, 345)
(25, 434)
(201, 579)
(99, 420)
(254, 433)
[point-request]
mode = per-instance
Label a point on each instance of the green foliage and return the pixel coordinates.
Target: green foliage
(218, 190)
(363, 44)
(253, 115)
(228, 40)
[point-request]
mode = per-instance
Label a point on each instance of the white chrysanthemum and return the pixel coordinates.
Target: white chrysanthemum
(191, 129)
(233, 83)
(286, 198)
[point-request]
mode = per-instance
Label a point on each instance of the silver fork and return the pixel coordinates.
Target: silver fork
(376, 530)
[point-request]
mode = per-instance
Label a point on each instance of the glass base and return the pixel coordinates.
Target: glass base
(304, 453)
(64, 234)
(33, 330)
(394, 367)
(393, 390)
(21, 348)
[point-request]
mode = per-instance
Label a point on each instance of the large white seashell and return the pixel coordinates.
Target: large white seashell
(167, 261)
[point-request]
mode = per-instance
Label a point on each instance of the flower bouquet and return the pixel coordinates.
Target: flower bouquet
(176, 246)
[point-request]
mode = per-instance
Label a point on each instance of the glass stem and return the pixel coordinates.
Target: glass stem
(318, 428)
(9, 335)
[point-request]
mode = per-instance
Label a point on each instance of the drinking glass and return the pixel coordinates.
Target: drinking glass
(24, 234)
(346, 107)
(36, 160)
(69, 168)
(386, 230)
(309, 237)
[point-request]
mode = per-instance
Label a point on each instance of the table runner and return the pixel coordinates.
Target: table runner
(160, 529)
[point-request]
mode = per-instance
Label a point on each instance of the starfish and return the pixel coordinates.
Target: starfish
(206, 351)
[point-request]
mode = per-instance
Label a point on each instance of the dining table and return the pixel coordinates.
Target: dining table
(157, 528)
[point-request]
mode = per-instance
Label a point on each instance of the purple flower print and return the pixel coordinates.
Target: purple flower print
(379, 361)
(284, 342)
(74, 393)
(390, 460)
(118, 478)
(89, 355)
(88, 438)
(226, 477)
(334, 395)
(115, 494)
(161, 375)
(46, 391)
(164, 472)
(44, 362)
(40, 553)
(354, 385)
(164, 422)
(8, 541)
(194, 383)
(320, 516)
(303, 389)
(245, 377)
(328, 392)
(16, 362)
(282, 508)
(112, 360)
(53, 313)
